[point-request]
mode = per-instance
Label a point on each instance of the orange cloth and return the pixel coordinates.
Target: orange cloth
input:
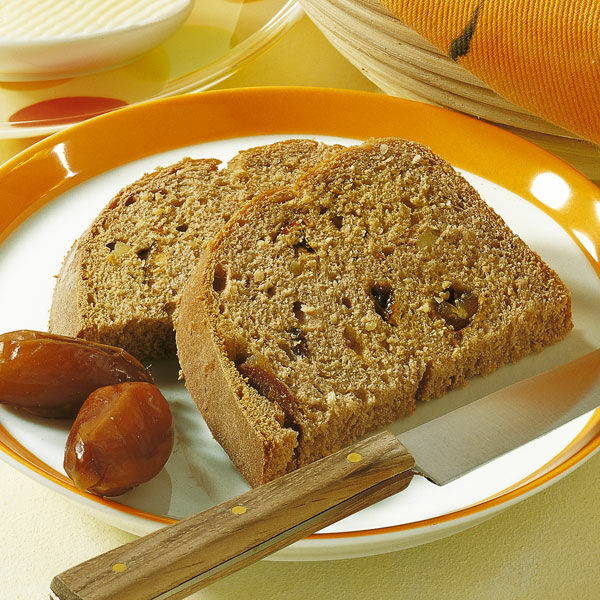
(543, 55)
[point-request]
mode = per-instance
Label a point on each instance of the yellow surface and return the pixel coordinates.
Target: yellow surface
(547, 547)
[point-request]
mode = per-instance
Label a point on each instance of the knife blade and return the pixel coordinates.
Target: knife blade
(177, 560)
(469, 437)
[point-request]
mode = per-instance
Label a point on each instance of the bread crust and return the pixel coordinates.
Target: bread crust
(64, 314)
(239, 303)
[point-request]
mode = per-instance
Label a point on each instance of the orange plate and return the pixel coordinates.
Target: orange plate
(75, 155)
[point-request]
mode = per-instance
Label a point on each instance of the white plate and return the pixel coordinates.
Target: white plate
(199, 474)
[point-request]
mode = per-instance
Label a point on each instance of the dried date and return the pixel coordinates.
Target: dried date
(383, 298)
(457, 308)
(270, 387)
(122, 436)
(51, 375)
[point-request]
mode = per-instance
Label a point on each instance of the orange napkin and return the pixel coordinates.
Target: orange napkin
(543, 55)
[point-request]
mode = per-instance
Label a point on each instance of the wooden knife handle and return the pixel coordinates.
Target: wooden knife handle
(179, 559)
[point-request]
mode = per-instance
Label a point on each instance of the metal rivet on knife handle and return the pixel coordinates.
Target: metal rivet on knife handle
(119, 567)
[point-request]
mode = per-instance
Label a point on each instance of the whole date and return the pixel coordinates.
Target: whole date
(51, 375)
(122, 436)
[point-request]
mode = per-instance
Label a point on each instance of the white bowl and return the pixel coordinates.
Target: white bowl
(51, 39)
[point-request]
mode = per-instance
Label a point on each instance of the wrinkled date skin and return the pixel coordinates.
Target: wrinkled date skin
(51, 375)
(122, 436)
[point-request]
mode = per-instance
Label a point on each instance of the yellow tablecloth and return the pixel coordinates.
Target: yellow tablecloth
(547, 547)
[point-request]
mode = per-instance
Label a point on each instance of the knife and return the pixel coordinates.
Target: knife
(179, 559)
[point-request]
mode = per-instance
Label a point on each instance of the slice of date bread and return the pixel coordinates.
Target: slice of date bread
(121, 281)
(324, 310)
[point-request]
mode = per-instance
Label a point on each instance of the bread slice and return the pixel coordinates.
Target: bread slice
(324, 310)
(121, 281)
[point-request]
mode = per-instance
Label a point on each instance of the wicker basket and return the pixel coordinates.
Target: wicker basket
(403, 63)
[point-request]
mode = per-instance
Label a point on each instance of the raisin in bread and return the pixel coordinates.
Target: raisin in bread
(121, 281)
(324, 310)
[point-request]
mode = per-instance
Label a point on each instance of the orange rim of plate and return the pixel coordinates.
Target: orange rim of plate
(66, 159)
